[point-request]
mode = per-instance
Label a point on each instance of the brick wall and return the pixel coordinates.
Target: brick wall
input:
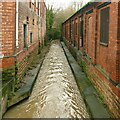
(26, 53)
(8, 33)
(0, 35)
(102, 61)
(29, 20)
(89, 42)
(15, 59)
(8, 28)
(43, 20)
(118, 46)
(101, 83)
(106, 56)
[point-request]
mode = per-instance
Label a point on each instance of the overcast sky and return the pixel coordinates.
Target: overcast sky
(62, 3)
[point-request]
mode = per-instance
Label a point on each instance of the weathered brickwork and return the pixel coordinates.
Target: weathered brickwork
(16, 54)
(8, 33)
(0, 33)
(118, 47)
(43, 20)
(25, 50)
(100, 57)
(8, 28)
(30, 32)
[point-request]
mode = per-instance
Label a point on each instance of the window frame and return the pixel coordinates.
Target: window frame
(81, 30)
(25, 35)
(103, 32)
(31, 37)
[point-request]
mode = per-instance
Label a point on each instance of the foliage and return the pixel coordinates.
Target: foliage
(8, 74)
(49, 22)
(54, 33)
(60, 17)
(49, 18)
(54, 20)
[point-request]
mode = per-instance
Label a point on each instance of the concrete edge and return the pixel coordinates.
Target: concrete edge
(28, 92)
(18, 98)
(85, 98)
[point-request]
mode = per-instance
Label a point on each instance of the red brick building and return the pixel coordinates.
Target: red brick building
(23, 27)
(93, 36)
(22, 30)
(43, 20)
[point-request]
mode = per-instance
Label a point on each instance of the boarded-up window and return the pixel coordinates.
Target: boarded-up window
(30, 4)
(76, 27)
(81, 31)
(65, 30)
(70, 31)
(104, 25)
(90, 35)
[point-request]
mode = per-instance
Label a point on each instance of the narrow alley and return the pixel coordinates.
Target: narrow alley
(55, 94)
(59, 59)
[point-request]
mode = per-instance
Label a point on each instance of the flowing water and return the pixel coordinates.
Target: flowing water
(55, 94)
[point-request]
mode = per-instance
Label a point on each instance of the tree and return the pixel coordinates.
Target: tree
(60, 17)
(49, 21)
(49, 18)
(77, 5)
(55, 18)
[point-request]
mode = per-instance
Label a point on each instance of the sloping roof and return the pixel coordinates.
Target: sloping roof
(90, 3)
(81, 9)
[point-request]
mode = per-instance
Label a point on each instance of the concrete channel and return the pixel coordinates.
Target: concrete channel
(55, 93)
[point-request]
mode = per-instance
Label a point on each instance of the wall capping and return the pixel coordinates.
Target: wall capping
(90, 11)
(103, 5)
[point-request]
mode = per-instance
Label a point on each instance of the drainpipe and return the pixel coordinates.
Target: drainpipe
(17, 4)
(16, 41)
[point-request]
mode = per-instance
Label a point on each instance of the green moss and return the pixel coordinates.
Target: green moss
(8, 74)
(83, 66)
(7, 88)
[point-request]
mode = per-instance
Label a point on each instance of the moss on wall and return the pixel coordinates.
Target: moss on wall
(83, 66)
(8, 74)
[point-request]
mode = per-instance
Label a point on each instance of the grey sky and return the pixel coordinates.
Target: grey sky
(62, 3)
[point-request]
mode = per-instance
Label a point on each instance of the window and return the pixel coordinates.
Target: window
(90, 36)
(27, 20)
(81, 31)
(76, 28)
(31, 37)
(30, 4)
(70, 30)
(104, 25)
(38, 8)
(33, 21)
(25, 35)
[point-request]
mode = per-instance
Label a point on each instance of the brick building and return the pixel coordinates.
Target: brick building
(43, 20)
(93, 36)
(22, 30)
